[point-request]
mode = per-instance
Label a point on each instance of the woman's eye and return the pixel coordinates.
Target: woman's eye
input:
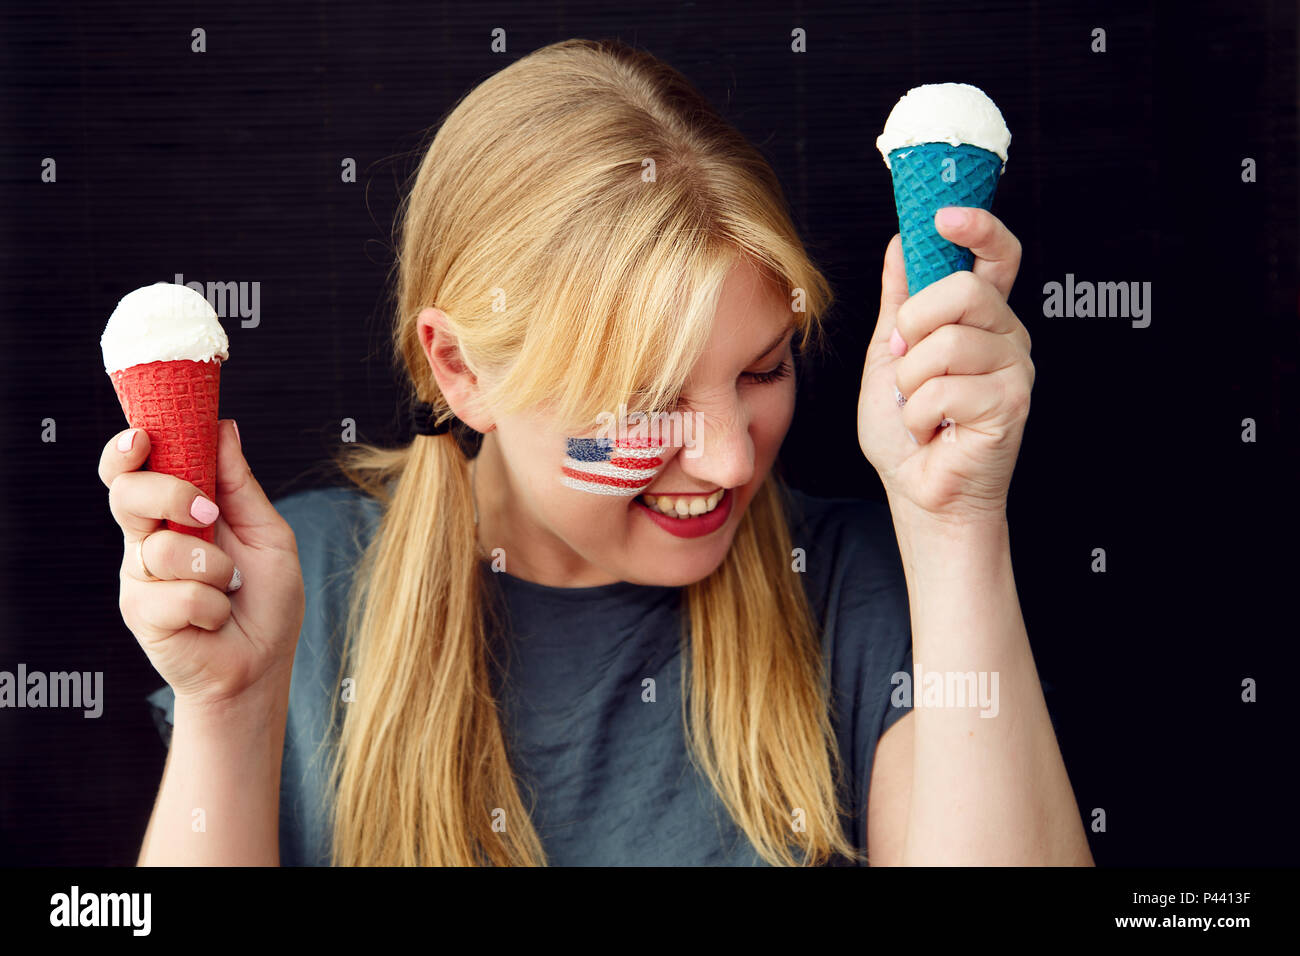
(766, 378)
(757, 378)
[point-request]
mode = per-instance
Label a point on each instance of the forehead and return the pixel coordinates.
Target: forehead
(752, 310)
(752, 317)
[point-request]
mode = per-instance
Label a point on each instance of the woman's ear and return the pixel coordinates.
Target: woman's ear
(457, 383)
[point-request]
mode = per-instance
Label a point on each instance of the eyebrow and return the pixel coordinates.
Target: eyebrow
(774, 343)
(789, 330)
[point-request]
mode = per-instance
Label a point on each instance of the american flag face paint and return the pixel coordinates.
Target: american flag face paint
(609, 466)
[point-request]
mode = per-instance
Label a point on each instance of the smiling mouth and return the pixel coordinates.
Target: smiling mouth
(682, 506)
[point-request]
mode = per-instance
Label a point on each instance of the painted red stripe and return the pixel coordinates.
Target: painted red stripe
(603, 480)
(636, 462)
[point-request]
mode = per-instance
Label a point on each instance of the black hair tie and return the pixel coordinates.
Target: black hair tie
(423, 420)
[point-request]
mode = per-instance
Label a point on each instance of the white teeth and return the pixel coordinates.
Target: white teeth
(683, 507)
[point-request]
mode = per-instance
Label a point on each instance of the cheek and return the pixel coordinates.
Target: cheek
(608, 467)
(770, 417)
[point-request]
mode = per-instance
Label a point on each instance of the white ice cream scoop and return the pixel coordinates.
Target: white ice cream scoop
(952, 113)
(162, 322)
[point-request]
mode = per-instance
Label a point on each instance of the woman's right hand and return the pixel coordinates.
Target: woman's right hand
(214, 646)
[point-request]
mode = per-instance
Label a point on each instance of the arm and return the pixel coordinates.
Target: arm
(890, 794)
(227, 763)
(945, 395)
(983, 791)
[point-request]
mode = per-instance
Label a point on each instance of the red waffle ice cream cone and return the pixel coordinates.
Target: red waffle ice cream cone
(163, 348)
(176, 404)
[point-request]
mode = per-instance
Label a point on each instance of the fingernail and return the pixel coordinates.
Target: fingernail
(237, 438)
(126, 440)
(204, 510)
(953, 217)
(896, 343)
(236, 581)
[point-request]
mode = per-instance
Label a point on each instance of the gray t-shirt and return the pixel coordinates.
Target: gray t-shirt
(605, 771)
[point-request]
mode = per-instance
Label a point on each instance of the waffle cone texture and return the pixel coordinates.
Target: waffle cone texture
(927, 178)
(176, 404)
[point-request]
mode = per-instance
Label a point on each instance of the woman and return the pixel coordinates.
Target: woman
(586, 241)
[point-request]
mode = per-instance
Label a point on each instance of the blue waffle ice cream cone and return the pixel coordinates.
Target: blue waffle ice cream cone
(927, 178)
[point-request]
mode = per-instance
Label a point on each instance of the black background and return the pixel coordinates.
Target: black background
(1124, 166)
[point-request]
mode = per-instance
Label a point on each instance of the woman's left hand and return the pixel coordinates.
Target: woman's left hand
(958, 354)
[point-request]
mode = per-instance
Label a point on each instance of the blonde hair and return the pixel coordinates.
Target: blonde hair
(595, 194)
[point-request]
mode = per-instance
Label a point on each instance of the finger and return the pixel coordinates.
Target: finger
(158, 609)
(140, 500)
(968, 400)
(893, 292)
(961, 297)
(173, 556)
(954, 350)
(244, 505)
(115, 459)
(996, 249)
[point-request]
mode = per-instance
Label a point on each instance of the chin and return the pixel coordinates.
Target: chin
(679, 562)
(678, 574)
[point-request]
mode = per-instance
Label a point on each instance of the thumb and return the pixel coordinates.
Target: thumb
(893, 291)
(244, 505)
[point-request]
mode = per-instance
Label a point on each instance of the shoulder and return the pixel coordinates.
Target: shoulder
(332, 527)
(854, 579)
(848, 546)
(320, 514)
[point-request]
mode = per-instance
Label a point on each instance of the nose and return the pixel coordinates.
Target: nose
(722, 454)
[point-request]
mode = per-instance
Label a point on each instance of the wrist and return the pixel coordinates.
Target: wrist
(254, 709)
(950, 547)
(913, 521)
